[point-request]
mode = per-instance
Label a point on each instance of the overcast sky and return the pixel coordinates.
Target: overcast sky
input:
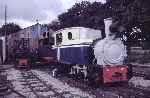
(26, 12)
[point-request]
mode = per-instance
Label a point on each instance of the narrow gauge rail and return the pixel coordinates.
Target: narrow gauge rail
(31, 79)
(139, 74)
(4, 83)
(16, 92)
(141, 71)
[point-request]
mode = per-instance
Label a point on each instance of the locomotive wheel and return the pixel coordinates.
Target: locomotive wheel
(96, 80)
(63, 69)
(93, 77)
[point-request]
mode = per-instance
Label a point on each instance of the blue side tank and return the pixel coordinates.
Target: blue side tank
(76, 54)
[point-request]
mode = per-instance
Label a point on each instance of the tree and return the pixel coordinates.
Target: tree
(85, 14)
(132, 15)
(54, 25)
(9, 28)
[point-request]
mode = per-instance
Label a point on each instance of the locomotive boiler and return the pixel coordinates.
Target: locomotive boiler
(86, 53)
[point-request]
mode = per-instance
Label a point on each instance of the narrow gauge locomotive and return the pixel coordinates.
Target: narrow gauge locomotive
(83, 52)
(31, 46)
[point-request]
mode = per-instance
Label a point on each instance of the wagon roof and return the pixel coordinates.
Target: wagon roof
(75, 28)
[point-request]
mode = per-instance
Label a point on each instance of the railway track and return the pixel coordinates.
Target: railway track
(39, 88)
(116, 91)
(6, 89)
(120, 90)
(37, 84)
(139, 74)
(141, 71)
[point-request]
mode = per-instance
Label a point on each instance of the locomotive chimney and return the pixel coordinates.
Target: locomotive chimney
(107, 22)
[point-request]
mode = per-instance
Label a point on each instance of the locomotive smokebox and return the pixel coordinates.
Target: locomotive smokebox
(108, 23)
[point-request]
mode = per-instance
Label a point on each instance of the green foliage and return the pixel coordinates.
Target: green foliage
(133, 15)
(9, 28)
(128, 13)
(54, 25)
(85, 14)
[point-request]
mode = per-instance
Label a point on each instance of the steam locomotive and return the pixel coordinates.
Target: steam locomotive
(85, 53)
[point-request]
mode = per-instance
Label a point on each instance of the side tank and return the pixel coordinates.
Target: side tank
(77, 49)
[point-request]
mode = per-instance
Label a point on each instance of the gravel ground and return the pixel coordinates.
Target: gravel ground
(62, 87)
(15, 77)
(68, 92)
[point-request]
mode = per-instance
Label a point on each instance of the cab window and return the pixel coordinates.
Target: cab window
(69, 35)
(58, 38)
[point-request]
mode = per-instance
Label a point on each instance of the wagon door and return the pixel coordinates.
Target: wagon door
(2, 50)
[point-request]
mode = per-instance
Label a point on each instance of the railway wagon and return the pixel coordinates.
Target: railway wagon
(31, 46)
(86, 53)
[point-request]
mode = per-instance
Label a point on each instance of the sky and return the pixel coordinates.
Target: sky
(27, 12)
